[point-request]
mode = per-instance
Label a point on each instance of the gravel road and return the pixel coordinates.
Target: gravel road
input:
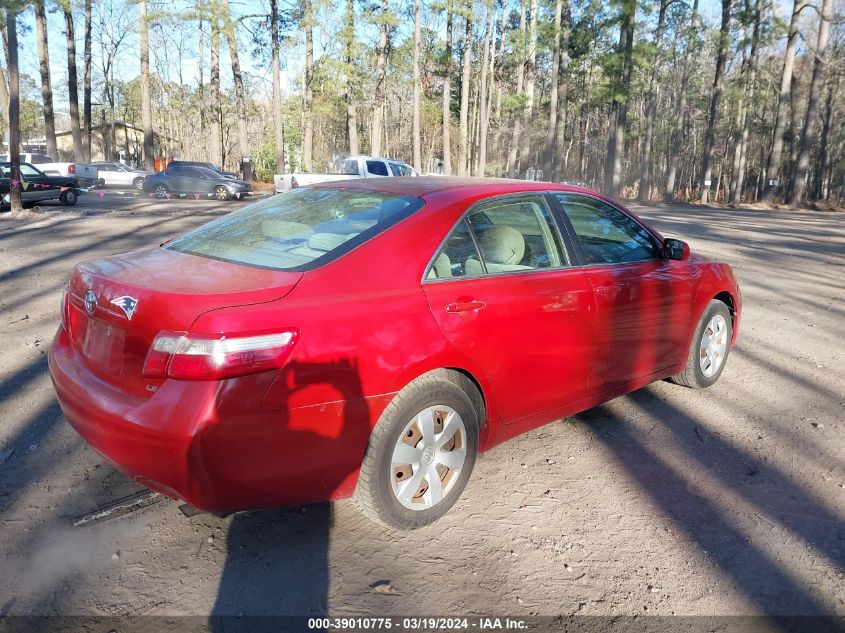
(664, 501)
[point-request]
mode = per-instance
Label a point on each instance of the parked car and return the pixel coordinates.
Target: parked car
(39, 187)
(371, 339)
(211, 166)
(85, 174)
(195, 180)
(116, 174)
(347, 169)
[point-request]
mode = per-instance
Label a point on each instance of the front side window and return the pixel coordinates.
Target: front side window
(511, 234)
(299, 229)
(606, 234)
(28, 171)
(377, 168)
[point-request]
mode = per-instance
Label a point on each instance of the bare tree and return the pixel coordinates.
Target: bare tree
(651, 107)
(14, 110)
(44, 67)
(415, 135)
(72, 89)
(808, 132)
(214, 80)
(715, 98)
(308, 112)
(512, 167)
(784, 98)
(146, 103)
(240, 98)
(351, 104)
(447, 91)
(376, 130)
(484, 101)
(680, 115)
(278, 127)
(86, 83)
(619, 108)
(466, 76)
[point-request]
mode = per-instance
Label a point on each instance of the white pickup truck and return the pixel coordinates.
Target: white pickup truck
(86, 174)
(347, 169)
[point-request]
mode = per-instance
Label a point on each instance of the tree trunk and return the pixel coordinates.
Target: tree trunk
(308, 113)
(773, 163)
(651, 108)
(351, 107)
(381, 79)
(146, 100)
(73, 96)
(46, 87)
(808, 132)
(240, 99)
(530, 82)
(466, 76)
(216, 105)
(14, 112)
(86, 84)
(680, 111)
(447, 92)
(511, 166)
(559, 156)
(277, 88)
(619, 108)
(416, 140)
(553, 93)
(737, 184)
(484, 103)
(715, 98)
(823, 169)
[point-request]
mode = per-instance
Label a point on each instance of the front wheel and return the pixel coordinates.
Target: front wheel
(161, 191)
(69, 197)
(420, 455)
(709, 349)
(221, 193)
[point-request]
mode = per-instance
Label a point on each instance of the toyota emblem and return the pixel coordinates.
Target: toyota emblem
(90, 301)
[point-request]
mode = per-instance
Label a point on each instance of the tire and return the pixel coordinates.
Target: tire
(138, 184)
(161, 191)
(402, 426)
(69, 197)
(220, 193)
(716, 326)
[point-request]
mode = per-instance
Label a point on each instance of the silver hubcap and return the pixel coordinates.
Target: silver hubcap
(221, 194)
(428, 457)
(161, 191)
(713, 346)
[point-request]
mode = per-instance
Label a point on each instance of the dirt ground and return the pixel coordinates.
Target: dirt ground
(665, 501)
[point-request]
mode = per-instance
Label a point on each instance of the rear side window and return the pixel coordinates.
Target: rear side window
(298, 230)
(606, 234)
(512, 234)
(376, 168)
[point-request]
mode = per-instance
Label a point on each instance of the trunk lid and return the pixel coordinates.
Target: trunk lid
(142, 293)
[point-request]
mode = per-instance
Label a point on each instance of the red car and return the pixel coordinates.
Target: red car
(369, 338)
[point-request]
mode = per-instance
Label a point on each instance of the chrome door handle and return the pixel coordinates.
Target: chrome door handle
(465, 306)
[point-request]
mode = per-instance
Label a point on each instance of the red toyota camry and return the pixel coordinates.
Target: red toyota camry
(369, 339)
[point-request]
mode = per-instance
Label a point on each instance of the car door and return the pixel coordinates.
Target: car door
(503, 292)
(642, 299)
(38, 185)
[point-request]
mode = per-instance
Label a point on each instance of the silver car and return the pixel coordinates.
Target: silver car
(120, 175)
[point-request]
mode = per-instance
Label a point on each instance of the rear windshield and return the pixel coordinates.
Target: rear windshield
(297, 230)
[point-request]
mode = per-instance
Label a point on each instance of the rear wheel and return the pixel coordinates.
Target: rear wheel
(420, 455)
(69, 197)
(220, 193)
(138, 184)
(709, 349)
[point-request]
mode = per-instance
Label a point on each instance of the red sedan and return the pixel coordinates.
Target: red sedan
(369, 339)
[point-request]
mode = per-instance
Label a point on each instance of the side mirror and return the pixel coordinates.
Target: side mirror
(675, 249)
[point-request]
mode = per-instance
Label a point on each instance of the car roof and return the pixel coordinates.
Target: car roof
(423, 186)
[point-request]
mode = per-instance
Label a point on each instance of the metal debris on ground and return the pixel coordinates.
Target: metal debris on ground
(121, 507)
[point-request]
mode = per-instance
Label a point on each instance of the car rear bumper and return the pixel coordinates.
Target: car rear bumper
(189, 442)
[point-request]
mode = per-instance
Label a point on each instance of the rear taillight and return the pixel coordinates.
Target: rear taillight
(71, 169)
(65, 311)
(208, 357)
